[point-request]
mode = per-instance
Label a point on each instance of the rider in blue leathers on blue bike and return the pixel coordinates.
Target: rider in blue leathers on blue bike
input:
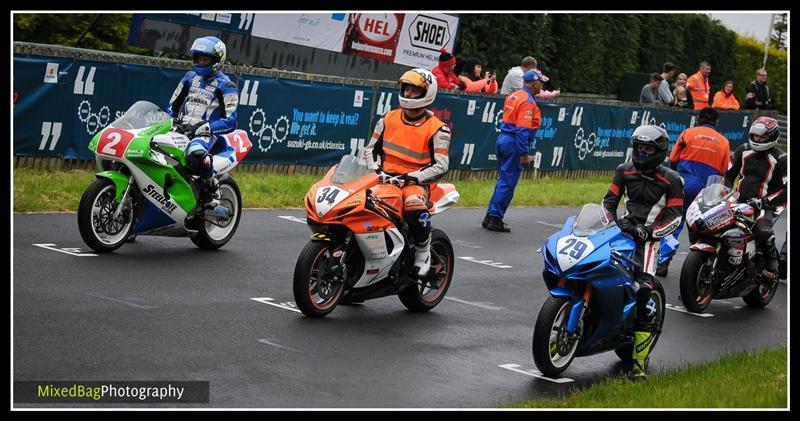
(204, 106)
(653, 210)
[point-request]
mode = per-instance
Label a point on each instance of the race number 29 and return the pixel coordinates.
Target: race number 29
(114, 142)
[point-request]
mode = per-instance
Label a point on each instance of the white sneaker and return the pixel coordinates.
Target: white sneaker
(422, 257)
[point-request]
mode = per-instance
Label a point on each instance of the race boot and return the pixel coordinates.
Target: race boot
(211, 186)
(485, 220)
(663, 268)
(422, 257)
(642, 341)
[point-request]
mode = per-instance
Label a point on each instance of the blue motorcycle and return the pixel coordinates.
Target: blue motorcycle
(588, 269)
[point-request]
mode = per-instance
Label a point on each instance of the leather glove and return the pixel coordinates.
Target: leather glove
(642, 233)
(756, 203)
(201, 129)
(626, 226)
(396, 180)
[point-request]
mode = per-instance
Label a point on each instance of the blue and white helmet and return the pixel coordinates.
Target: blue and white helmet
(210, 47)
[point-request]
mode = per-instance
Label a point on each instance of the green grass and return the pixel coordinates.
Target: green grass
(60, 191)
(750, 379)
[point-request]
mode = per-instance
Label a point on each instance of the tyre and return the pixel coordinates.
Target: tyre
(761, 295)
(431, 290)
(99, 228)
(316, 289)
(553, 348)
(695, 283)
(212, 236)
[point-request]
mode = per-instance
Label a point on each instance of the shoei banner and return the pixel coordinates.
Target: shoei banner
(373, 35)
(422, 38)
(299, 122)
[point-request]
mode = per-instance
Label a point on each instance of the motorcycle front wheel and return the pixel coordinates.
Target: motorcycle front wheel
(317, 290)
(695, 283)
(553, 348)
(99, 228)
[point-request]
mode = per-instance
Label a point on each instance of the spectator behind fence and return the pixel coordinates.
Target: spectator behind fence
(650, 92)
(473, 81)
(513, 79)
(681, 99)
(445, 77)
(758, 96)
(667, 71)
(699, 87)
(681, 82)
(724, 99)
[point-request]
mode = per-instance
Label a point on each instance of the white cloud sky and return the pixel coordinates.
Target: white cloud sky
(746, 23)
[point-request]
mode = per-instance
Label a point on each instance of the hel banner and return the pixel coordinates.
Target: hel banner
(373, 35)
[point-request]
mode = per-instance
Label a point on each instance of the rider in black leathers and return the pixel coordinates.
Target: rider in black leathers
(653, 208)
(763, 184)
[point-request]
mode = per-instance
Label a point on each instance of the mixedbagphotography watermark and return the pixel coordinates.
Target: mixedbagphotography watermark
(94, 391)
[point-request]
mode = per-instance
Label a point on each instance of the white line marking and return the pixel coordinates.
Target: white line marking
(285, 306)
(465, 244)
(683, 310)
(481, 304)
(486, 262)
(549, 224)
(116, 300)
(535, 373)
(264, 341)
(294, 219)
(73, 251)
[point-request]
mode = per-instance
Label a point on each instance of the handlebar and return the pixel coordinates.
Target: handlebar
(374, 198)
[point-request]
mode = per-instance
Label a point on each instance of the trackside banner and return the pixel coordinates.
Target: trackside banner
(60, 103)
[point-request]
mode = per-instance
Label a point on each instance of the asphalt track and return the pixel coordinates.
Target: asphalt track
(161, 309)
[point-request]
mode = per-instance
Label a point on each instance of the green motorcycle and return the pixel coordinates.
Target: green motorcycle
(144, 186)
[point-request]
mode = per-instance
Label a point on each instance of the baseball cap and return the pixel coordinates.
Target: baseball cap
(534, 74)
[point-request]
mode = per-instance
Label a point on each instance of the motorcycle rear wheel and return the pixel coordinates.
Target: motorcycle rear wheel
(212, 237)
(98, 228)
(761, 295)
(625, 353)
(431, 291)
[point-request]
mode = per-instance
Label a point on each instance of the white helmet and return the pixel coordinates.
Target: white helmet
(423, 79)
(764, 133)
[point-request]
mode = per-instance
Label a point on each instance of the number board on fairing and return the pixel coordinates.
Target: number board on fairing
(571, 250)
(328, 197)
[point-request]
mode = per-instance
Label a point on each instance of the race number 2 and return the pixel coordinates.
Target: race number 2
(114, 142)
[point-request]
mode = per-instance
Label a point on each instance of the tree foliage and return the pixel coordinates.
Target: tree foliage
(104, 31)
(590, 52)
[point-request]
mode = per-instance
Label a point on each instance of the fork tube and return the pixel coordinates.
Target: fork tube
(124, 198)
(579, 306)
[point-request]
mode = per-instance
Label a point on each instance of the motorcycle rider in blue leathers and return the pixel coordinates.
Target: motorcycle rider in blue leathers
(203, 106)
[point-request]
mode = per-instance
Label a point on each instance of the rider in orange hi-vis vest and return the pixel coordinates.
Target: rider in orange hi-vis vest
(409, 149)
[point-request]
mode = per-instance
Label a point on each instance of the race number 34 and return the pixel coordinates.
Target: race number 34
(114, 142)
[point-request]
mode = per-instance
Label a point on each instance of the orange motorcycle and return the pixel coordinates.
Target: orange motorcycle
(361, 248)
